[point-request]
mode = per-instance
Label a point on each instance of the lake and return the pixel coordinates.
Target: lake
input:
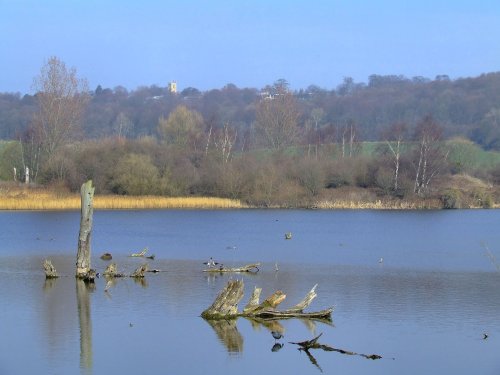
(423, 309)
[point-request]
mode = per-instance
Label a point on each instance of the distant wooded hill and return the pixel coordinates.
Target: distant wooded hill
(467, 107)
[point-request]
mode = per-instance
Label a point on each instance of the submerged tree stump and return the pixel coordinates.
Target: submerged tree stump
(225, 305)
(50, 270)
(111, 271)
(247, 268)
(84, 237)
(140, 271)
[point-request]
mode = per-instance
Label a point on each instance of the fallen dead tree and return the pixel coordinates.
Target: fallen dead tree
(247, 268)
(225, 305)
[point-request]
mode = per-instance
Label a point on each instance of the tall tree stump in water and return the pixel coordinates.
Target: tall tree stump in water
(87, 210)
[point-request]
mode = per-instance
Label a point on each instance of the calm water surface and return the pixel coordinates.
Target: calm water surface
(424, 309)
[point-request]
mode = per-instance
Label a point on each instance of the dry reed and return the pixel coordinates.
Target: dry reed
(377, 205)
(38, 199)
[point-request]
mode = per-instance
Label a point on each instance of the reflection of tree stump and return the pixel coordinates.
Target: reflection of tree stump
(50, 270)
(84, 318)
(228, 334)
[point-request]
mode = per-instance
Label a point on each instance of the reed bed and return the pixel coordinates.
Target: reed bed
(378, 205)
(46, 200)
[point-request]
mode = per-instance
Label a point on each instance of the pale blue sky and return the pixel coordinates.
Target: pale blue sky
(207, 44)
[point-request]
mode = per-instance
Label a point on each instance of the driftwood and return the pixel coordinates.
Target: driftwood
(247, 268)
(225, 305)
(50, 270)
(142, 254)
(83, 255)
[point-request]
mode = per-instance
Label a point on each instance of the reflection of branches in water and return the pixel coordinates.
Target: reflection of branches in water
(141, 281)
(228, 334)
(270, 324)
(311, 358)
(305, 346)
(49, 284)
(311, 324)
(491, 256)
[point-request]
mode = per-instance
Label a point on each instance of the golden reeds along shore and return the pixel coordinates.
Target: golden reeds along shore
(37, 199)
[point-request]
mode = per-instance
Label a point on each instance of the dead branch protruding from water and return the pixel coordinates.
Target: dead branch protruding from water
(50, 270)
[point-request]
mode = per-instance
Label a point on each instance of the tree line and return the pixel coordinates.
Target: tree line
(272, 146)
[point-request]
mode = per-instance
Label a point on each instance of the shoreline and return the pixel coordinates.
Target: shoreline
(41, 199)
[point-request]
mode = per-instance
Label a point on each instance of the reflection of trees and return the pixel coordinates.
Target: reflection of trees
(228, 334)
(84, 318)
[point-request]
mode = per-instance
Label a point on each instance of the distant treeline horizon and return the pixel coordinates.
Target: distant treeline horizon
(465, 107)
(393, 138)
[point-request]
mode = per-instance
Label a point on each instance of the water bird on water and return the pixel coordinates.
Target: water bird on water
(277, 335)
(211, 263)
(485, 336)
(381, 260)
(288, 236)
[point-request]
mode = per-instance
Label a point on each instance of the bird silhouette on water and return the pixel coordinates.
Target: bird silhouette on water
(277, 335)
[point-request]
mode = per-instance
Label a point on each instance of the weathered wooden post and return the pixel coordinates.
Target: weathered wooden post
(83, 255)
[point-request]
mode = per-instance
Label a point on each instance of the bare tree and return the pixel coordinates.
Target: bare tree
(122, 125)
(224, 141)
(430, 156)
(62, 98)
(312, 130)
(349, 131)
(277, 119)
(394, 138)
(31, 152)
